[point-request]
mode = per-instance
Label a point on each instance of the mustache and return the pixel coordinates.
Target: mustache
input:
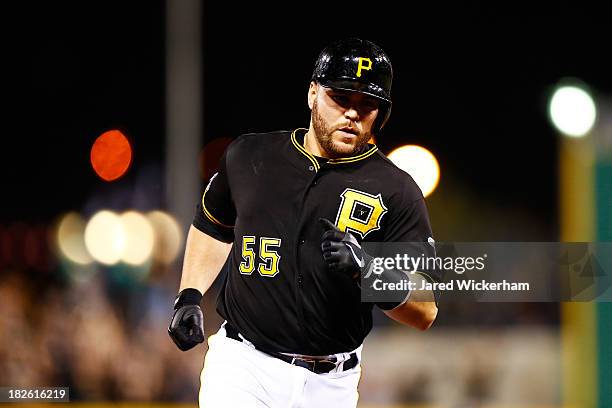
(349, 129)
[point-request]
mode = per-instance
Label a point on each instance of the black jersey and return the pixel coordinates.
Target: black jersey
(267, 198)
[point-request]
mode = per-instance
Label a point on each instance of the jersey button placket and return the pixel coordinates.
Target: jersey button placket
(317, 176)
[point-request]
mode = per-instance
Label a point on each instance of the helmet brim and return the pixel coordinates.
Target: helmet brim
(353, 86)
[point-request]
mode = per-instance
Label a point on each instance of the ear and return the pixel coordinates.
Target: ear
(312, 93)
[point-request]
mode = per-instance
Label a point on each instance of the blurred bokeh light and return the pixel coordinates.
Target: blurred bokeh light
(105, 237)
(572, 110)
(111, 155)
(108, 238)
(138, 234)
(70, 239)
(168, 237)
(420, 163)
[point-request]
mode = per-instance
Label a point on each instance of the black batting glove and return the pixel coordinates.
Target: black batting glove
(187, 325)
(341, 251)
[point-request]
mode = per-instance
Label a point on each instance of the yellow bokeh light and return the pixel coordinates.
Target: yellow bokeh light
(168, 237)
(420, 163)
(70, 239)
(105, 237)
(138, 238)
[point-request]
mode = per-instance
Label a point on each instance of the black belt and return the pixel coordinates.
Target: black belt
(317, 366)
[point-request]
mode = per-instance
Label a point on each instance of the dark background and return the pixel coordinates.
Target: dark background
(471, 84)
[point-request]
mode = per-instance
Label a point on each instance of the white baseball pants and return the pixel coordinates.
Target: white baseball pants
(235, 374)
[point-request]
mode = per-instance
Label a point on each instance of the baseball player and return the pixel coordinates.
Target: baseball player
(285, 216)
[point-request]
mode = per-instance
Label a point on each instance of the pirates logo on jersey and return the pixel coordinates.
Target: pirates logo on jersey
(360, 212)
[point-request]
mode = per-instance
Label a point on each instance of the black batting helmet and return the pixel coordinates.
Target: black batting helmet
(360, 66)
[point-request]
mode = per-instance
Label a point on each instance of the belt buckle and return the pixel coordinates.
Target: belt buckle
(317, 366)
(304, 363)
(321, 364)
(312, 364)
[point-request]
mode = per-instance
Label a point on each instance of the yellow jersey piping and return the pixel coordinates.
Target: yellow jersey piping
(362, 156)
(341, 160)
(210, 216)
(309, 156)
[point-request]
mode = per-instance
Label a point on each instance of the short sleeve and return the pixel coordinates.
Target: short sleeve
(409, 222)
(215, 213)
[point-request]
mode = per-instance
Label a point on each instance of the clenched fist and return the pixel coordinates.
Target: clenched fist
(187, 325)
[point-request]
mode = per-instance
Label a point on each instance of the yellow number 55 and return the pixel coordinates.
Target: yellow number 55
(268, 256)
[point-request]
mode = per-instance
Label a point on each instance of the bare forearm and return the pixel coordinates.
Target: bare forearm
(420, 315)
(204, 258)
(419, 311)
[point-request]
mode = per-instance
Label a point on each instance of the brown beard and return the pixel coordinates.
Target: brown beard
(323, 133)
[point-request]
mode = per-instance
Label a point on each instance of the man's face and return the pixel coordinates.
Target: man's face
(342, 120)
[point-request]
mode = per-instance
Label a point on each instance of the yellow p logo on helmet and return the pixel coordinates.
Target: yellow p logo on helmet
(361, 66)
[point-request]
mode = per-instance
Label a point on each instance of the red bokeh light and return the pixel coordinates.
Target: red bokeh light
(111, 155)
